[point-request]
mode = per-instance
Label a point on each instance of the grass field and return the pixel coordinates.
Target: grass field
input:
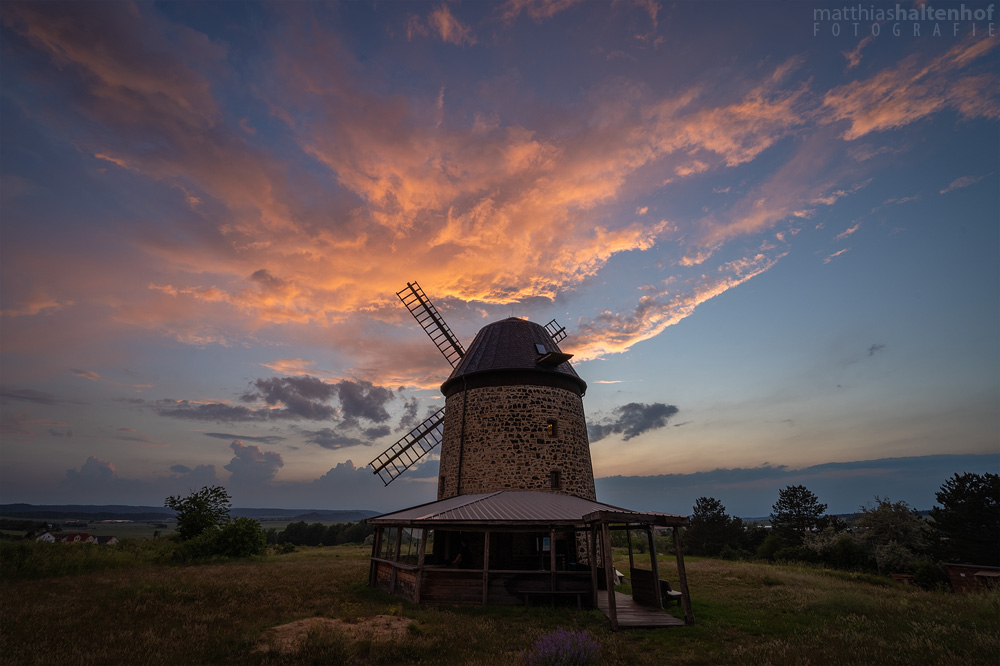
(745, 613)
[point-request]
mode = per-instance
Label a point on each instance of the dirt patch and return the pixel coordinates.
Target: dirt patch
(290, 637)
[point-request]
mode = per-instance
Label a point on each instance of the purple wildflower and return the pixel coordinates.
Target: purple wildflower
(563, 648)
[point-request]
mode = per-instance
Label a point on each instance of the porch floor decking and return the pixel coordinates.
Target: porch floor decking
(631, 614)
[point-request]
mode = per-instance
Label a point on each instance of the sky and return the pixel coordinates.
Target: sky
(769, 228)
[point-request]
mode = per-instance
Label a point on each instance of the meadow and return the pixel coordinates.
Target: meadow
(84, 605)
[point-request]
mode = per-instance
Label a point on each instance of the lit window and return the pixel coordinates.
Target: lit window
(550, 427)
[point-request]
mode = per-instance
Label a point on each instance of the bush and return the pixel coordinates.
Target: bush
(241, 537)
(929, 576)
(564, 648)
(772, 544)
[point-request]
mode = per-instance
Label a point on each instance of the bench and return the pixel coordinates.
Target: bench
(667, 594)
(552, 594)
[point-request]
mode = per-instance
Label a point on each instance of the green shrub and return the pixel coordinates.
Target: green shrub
(929, 576)
(241, 537)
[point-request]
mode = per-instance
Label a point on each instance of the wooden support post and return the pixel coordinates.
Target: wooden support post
(421, 558)
(552, 559)
(682, 577)
(486, 566)
(373, 566)
(653, 566)
(395, 560)
(628, 540)
(609, 575)
(593, 563)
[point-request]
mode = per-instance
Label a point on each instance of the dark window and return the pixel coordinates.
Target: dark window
(554, 479)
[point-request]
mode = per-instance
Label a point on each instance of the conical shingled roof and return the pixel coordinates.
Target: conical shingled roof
(508, 348)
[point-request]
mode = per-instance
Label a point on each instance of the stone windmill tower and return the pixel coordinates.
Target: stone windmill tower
(513, 417)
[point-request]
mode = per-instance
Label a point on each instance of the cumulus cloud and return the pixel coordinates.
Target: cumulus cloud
(94, 470)
(632, 420)
(252, 466)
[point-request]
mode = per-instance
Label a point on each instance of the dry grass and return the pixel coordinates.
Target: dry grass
(227, 614)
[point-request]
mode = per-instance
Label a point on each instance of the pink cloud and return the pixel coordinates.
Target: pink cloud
(915, 89)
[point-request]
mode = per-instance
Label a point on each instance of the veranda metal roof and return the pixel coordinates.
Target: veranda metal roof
(521, 507)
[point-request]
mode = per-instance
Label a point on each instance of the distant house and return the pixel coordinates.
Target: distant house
(45, 537)
(107, 540)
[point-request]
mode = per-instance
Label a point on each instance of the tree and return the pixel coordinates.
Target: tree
(712, 529)
(968, 520)
(796, 512)
(896, 534)
(202, 510)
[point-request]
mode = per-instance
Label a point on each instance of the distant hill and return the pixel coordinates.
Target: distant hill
(309, 516)
(158, 513)
(86, 512)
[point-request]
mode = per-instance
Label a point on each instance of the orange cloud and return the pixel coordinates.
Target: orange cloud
(612, 333)
(914, 89)
(449, 28)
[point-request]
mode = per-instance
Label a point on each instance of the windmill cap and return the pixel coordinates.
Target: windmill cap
(509, 352)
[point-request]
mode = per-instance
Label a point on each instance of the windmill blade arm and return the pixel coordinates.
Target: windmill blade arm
(410, 448)
(416, 301)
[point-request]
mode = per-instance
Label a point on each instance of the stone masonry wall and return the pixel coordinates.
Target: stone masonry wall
(507, 445)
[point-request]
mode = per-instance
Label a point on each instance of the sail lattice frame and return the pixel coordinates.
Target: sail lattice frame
(416, 301)
(413, 446)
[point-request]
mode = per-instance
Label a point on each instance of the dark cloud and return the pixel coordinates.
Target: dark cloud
(266, 280)
(211, 411)
(875, 348)
(304, 396)
(377, 432)
(300, 398)
(632, 420)
(37, 397)
(251, 466)
(361, 399)
(192, 479)
(409, 418)
(263, 439)
(329, 438)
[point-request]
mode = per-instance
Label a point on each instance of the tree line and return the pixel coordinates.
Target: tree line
(318, 534)
(885, 537)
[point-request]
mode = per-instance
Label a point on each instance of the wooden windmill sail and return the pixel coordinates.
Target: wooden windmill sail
(425, 437)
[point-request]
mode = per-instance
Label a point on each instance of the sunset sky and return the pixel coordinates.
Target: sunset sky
(772, 237)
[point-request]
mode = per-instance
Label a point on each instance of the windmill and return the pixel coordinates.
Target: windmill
(504, 359)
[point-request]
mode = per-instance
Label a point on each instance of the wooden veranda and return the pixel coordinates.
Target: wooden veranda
(519, 546)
